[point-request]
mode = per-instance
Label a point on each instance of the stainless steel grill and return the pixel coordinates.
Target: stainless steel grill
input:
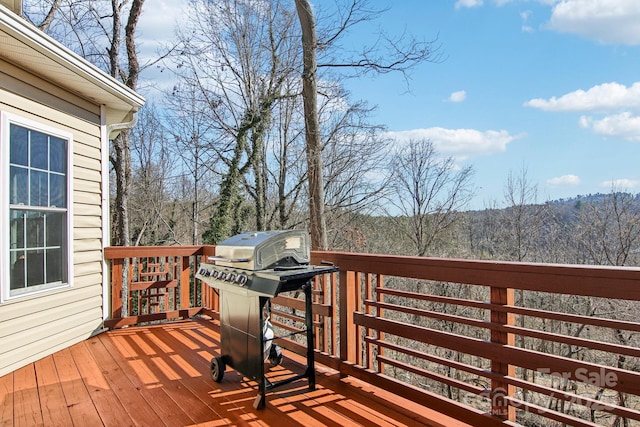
(247, 271)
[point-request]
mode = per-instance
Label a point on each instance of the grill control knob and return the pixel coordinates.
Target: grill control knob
(222, 275)
(231, 277)
(242, 279)
(215, 274)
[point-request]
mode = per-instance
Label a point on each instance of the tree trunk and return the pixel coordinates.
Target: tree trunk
(121, 143)
(312, 127)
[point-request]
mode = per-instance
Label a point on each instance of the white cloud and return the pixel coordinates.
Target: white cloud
(468, 3)
(458, 96)
(607, 96)
(623, 125)
(154, 33)
(621, 184)
(526, 28)
(157, 23)
(605, 21)
(563, 181)
(460, 143)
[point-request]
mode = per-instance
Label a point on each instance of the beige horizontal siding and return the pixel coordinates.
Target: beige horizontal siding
(56, 313)
(86, 256)
(37, 305)
(87, 233)
(68, 334)
(34, 326)
(84, 186)
(48, 327)
(85, 162)
(86, 221)
(87, 174)
(87, 198)
(81, 209)
(87, 147)
(86, 269)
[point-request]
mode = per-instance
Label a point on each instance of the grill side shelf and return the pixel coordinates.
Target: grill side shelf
(262, 282)
(288, 279)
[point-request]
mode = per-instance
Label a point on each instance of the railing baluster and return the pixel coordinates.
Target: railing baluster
(368, 295)
(501, 389)
(348, 289)
(380, 313)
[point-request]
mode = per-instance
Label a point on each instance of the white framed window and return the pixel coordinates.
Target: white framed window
(37, 246)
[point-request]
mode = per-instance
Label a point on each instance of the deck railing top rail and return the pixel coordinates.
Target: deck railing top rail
(572, 279)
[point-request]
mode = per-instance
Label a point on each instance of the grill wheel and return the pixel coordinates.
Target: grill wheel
(217, 369)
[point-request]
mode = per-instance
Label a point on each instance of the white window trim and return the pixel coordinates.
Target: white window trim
(5, 120)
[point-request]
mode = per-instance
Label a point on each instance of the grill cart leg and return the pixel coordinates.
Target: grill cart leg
(259, 401)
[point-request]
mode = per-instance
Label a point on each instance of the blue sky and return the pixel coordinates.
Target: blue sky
(549, 86)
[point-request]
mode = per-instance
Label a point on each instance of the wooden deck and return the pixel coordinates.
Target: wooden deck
(159, 376)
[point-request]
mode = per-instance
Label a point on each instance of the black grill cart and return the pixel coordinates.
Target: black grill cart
(247, 271)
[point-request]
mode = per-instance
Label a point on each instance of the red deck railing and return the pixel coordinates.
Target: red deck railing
(485, 342)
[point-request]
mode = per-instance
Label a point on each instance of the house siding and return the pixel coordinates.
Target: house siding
(35, 326)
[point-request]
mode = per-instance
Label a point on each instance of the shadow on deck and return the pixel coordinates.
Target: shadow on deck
(159, 376)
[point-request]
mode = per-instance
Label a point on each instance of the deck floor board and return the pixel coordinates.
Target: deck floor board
(51, 395)
(159, 376)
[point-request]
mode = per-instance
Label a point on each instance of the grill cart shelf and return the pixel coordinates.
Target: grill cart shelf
(247, 271)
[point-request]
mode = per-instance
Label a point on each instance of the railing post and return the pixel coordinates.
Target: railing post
(116, 288)
(185, 285)
(500, 388)
(348, 291)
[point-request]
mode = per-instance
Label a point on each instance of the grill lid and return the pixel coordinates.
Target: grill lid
(262, 250)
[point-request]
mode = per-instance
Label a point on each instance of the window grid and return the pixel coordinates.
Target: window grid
(37, 250)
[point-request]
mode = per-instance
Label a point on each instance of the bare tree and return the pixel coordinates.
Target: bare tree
(353, 151)
(387, 55)
(522, 217)
(42, 13)
(84, 26)
(129, 74)
(428, 193)
(153, 221)
(318, 228)
(609, 229)
(238, 57)
(193, 147)
(287, 168)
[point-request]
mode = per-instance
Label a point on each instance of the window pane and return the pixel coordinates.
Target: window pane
(18, 186)
(35, 230)
(35, 268)
(56, 230)
(16, 229)
(39, 188)
(58, 191)
(58, 155)
(19, 143)
(17, 270)
(39, 150)
(56, 266)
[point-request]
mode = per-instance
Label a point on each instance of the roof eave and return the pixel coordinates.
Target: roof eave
(109, 91)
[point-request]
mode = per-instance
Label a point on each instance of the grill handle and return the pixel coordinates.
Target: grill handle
(219, 258)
